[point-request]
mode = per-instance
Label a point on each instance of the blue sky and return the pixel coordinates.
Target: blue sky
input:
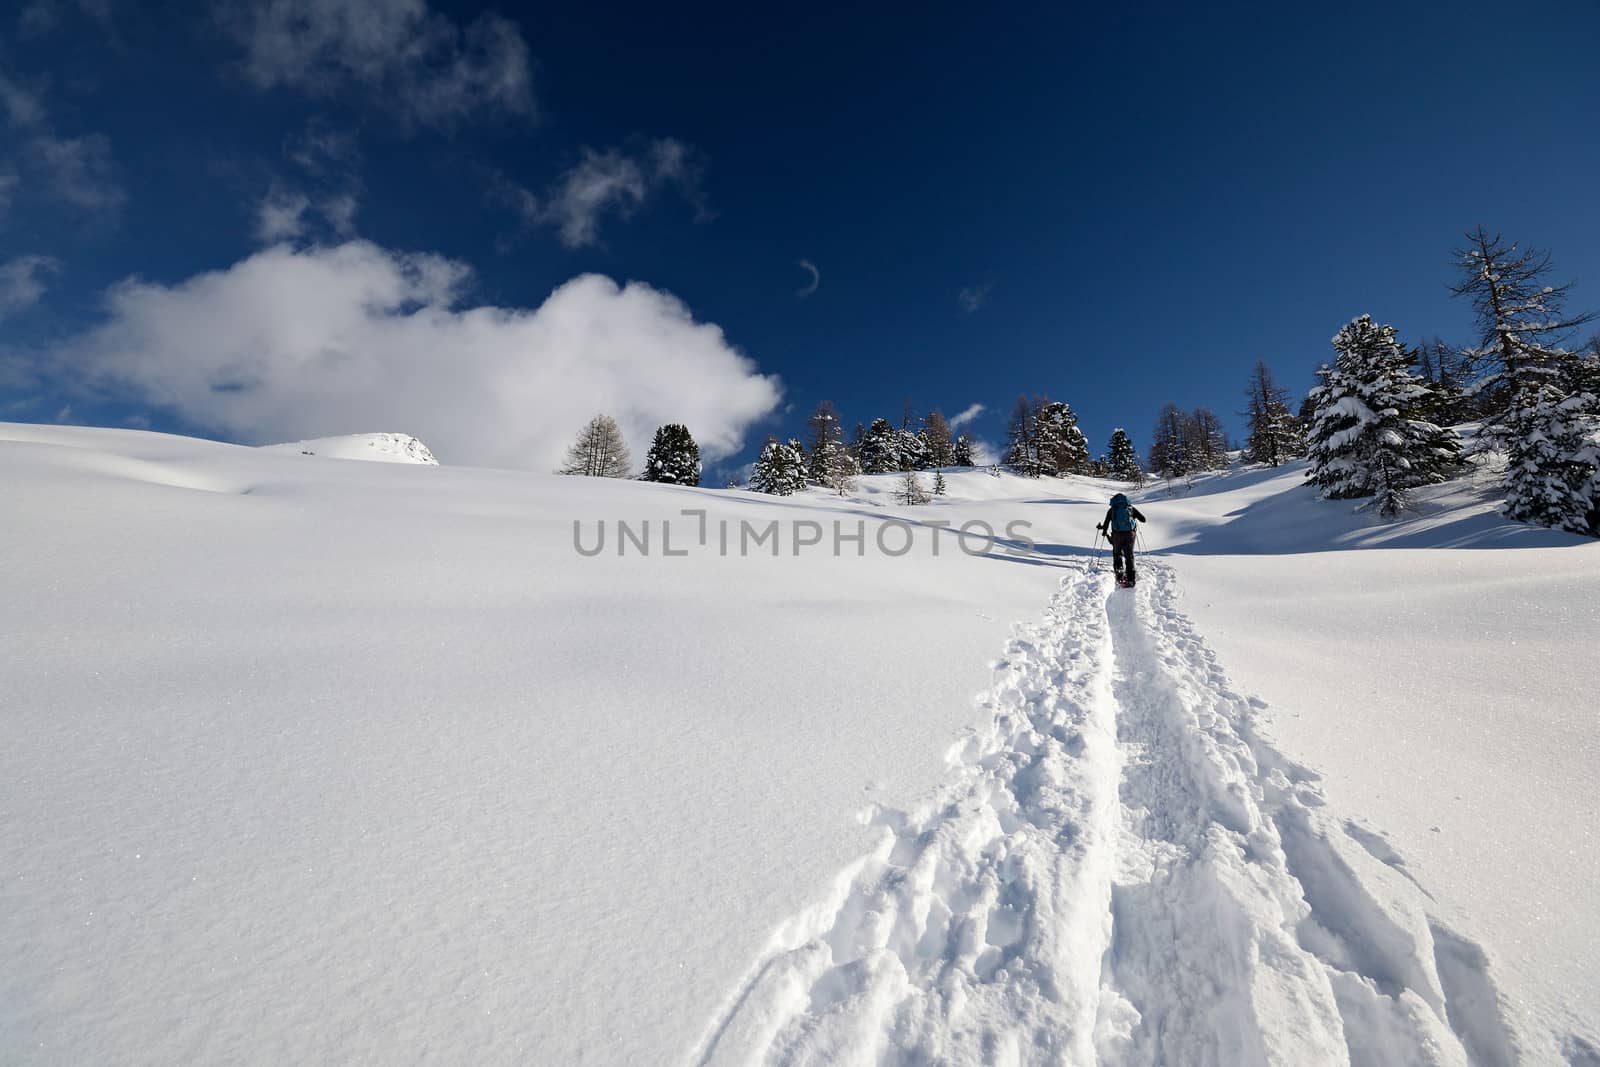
(1116, 209)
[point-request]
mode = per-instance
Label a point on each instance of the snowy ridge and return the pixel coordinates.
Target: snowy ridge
(379, 447)
(1122, 872)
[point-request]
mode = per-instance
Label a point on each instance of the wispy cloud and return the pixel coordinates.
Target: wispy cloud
(281, 215)
(972, 297)
(327, 186)
(22, 282)
(79, 171)
(816, 279)
(970, 412)
(613, 182)
(404, 57)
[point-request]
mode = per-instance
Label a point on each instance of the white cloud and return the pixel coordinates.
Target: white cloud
(973, 297)
(970, 412)
(22, 282)
(290, 344)
(816, 279)
(328, 185)
(403, 54)
(76, 170)
(609, 182)
(281, 215)
(984, 453)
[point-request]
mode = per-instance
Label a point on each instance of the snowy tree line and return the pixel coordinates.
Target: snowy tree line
(1377, 425)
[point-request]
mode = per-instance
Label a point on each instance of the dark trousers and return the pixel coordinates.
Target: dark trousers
(1122, 552)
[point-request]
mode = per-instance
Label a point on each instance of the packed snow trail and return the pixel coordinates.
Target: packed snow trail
(1121, 872)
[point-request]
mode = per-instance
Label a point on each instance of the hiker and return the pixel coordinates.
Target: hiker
(1121, 520)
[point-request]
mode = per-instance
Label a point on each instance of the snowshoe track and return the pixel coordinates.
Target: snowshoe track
(1121, 872)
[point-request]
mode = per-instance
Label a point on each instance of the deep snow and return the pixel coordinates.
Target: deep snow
(313, 761)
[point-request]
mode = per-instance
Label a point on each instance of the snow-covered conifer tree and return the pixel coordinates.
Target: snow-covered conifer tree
(962, 453)
(912, 449)
(939, 487)
(827, 450)
(673, 457)
(599, 451)
(879, 451)
(1122, 462)
(1169, 444)
(1365, 440)
(1061, 447)
(780, 469)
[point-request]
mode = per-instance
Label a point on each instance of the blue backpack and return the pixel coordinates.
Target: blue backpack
(1121, 514)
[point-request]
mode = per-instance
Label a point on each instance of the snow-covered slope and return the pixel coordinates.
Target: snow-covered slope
(315, 762)
(381, 447)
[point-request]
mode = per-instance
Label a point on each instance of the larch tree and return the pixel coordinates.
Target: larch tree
(599, 451)
(1539, 416)
(1022, 437)
(936, 435)
(1274, 431)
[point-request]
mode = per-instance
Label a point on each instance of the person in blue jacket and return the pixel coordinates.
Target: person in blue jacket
(1121, 522)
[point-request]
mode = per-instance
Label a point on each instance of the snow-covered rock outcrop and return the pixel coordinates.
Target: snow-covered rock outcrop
(381, 447)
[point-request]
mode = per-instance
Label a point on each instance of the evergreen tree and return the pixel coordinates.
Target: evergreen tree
(936, 436)
(1274, 431)
(1545, 429)
(1060, 446)
(938, 484)
(879, 452)
(673, 457)
(599, 451)
(1445, 372)
(1122, 462)
(1366, 440)
(911, 449)
(1101, 467)
(962, 453)
(780, 470)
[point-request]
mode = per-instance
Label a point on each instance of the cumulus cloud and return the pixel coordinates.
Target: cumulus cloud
(970, 412)
(402, 54)
(22, 282)
(610, 182)
(295, 343)
(973, 297)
